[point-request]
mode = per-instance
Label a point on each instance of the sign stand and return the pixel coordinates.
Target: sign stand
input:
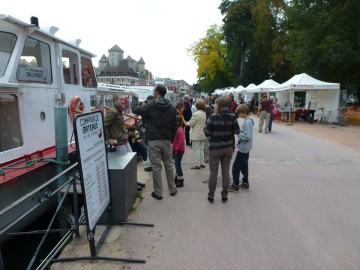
(93, 165)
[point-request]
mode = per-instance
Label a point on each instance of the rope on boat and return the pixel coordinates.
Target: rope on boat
(32, 162)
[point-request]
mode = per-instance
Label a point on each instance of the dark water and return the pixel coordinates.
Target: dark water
(18, 251)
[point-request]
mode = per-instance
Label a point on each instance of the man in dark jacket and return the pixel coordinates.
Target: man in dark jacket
(187, 114)
(160, 132)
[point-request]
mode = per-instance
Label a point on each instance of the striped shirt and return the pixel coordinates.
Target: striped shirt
(220, 128)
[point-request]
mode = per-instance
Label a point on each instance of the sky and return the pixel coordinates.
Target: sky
(159, 31)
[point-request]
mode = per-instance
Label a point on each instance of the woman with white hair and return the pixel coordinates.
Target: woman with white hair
(197, 136)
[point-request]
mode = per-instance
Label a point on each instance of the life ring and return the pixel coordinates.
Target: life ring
(76, 107)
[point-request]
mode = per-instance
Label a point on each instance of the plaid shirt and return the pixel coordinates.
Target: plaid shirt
(220, 128)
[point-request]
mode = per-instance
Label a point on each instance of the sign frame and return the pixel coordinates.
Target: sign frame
(93, 168)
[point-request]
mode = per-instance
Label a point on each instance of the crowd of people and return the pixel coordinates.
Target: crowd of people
(207, 126)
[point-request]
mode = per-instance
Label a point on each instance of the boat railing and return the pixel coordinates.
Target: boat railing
(62, 191)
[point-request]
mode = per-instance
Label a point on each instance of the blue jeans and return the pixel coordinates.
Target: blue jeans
(241, 164)
(178, 157)
(140, 148)
(271, 121)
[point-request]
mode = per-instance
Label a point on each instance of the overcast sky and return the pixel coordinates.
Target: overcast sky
(160, 31)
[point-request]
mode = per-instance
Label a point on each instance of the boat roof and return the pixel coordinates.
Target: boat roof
(50, 33)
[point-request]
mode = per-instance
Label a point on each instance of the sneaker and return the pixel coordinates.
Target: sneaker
(244, 186)
(173, 193)
(140, 184)
(155, 196)
(233, 188)
(146, 162)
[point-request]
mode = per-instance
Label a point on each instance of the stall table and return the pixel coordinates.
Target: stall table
(285, 116)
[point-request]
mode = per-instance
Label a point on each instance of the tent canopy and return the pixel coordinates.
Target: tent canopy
(265, 86)
(305, 82)
(250, 86)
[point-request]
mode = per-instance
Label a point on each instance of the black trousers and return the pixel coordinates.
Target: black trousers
(187, 135)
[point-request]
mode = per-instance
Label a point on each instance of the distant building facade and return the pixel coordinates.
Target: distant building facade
(114, 69)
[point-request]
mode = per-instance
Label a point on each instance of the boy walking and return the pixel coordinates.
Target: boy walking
(244, 145)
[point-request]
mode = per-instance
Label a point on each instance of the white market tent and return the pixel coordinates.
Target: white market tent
(327, 94)
(239, 88)
(265, 87)
(250, 86)
(246, 92)
(240, 91)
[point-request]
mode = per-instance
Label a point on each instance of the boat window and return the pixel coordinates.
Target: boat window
(10, 135)
(6, 47)
(70, 63)
(35, 62)
(87, 73)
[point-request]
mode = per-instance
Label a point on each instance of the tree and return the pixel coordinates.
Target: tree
(209, 54)
(323, 40)
(238, 35)
(252, 33)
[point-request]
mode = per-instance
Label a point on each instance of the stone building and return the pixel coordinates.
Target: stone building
(114, 69)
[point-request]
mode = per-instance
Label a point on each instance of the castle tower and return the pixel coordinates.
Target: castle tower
(103, 62)
(131, 62)
(140, 65)
(116, 55)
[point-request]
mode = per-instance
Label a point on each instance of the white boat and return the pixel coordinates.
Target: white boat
(39, 74)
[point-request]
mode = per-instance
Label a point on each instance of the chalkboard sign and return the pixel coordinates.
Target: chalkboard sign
(90, 142)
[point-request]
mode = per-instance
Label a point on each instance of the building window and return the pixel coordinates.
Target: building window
(10, 132)
(35, 62)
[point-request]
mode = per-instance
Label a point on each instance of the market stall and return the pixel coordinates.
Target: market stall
(327, 94)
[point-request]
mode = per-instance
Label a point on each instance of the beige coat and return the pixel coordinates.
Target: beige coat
(197, 124)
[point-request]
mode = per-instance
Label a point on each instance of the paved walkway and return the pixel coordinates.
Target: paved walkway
(301, 212)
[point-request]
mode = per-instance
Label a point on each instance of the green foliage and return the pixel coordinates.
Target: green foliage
(262, 39)
(323, 40)
(209, 54)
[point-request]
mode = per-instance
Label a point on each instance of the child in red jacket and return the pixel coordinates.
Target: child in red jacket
(178, 148)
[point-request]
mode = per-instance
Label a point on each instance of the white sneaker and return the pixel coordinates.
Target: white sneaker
(146, 162)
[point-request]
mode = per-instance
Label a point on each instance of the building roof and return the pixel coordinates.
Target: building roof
(141, 61)
(129, 59)
(103, 58)
(116, 48)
